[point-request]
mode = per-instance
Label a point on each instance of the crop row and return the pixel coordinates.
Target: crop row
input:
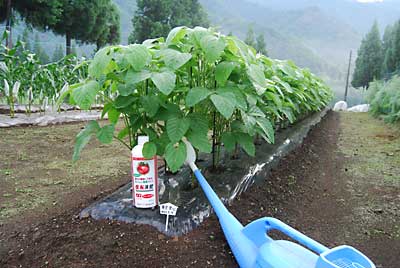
(196, 84)
(24, 80)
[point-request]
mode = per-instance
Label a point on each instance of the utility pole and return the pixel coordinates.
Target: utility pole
(347, 79)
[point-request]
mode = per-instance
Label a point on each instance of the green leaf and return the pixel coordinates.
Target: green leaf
(164, 81)
(212, 47)
(150, 104)
(138, 56)
(241, 102)
(200, 141)
(106, 133)
(123, 133)
(85, 95)
(267, 128)
(249, 123)
(175, 155)
(223, 71)
(100, 63)
(257, 77)
(198, 123)
(229, 141)
(274, 97)
(113, 115)
(149, 150)
(124, 101)
(289, 114)
(175, 35)
(224, 103)
(125, 89)
(106, 108)
(196, 95)
(174, 59)
(132, 77)
(177, 128)
(83, 138)
(247, 143)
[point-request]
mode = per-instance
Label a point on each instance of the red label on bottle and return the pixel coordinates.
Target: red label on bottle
(144, 182)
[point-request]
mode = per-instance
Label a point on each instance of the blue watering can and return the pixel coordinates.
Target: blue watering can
(253, 248)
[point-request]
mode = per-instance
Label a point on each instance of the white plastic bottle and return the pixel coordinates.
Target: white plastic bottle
(144, 177)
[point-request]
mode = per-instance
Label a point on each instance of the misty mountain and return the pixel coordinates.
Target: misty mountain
(309, 36)
(317, 34)
(359, 15)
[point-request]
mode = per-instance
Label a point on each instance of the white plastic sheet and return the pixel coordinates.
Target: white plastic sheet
(340, 106)
(362, 108)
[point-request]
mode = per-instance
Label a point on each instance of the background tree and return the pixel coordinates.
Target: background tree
(389, 64)
(250, 37)
(396, 45)
(261, 47)
(107, 30)
(93, 21)
(369, 59)
(155, 18)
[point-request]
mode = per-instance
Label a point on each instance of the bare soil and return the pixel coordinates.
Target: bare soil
(342, 186)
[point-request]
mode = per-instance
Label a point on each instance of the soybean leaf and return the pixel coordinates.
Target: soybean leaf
(125, 89)
(106, 108)
(246, 141)
(85, 95)
(267, 128)
(196, 95)
(274, 97)
(161, 143)
(83, 138)
(224, 103)
(99, 63)
(212, 46)
(249, 123)
(138, 56)
(174, 59)
(239, 97)
(257, 77)
(229, 141)
(175, 155)
(151, 133)
(200, 141)
(177, 128)
(288, 113)
(198, 123)
(149, 150)
(150, 104)
(223, 71)
(124, 101)
(164, 81)
(132, 77)
(123, 133)
(175, 35)
(106, 133)
(113, 115)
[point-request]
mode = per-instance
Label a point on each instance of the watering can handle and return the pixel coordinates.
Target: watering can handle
(275, 224)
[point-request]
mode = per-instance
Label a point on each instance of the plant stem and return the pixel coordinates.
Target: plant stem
(124, 143)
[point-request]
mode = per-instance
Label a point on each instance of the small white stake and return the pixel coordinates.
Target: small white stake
(166, 223)
(168, 209)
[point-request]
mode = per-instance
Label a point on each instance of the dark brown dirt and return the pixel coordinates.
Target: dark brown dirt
(309, 190)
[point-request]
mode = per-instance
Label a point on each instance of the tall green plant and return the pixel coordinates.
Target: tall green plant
(196, 84)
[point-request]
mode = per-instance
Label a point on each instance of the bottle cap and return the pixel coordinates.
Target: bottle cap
(142, 140)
